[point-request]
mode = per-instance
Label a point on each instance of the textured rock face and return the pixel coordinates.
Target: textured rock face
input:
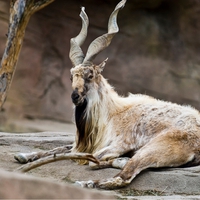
(18, 186)
(156, 52)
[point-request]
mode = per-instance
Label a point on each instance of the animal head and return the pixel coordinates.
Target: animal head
(85, 75)
(84, 78)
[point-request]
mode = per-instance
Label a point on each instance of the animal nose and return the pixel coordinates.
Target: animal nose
(75, 96)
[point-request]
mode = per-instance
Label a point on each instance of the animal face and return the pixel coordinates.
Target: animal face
(81, 78)
(85, 77)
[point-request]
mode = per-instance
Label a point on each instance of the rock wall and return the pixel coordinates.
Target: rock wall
(156, 52)
(29, 187)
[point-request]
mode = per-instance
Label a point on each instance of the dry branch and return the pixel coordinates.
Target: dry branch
(54, 158)
(20, 13)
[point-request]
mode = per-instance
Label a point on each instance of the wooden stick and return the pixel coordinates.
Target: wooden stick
(54, 158)
(20, 13)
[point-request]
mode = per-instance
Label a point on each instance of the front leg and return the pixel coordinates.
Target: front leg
(24, 158)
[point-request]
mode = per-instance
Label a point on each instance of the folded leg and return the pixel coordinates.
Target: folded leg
(118, 163)
(111, 156)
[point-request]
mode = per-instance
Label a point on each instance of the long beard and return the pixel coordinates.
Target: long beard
(80, 119)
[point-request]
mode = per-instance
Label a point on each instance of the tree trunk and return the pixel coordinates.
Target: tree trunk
(20, 13)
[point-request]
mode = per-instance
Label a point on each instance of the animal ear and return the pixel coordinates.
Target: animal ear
(101, 66)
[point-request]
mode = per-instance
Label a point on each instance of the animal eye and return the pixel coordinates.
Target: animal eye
(71, 78)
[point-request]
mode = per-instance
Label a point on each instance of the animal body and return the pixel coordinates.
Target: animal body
(131, 133)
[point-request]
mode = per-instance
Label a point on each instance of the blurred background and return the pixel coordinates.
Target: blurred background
(156, 52)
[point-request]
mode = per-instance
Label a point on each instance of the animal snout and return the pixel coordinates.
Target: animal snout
(75, 96)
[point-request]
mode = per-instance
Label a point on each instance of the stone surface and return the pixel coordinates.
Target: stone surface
(175, 197)
(19, 186)
(182, 182)
(156, 52)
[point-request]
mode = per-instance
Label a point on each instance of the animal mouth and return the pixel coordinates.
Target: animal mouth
(79, 101)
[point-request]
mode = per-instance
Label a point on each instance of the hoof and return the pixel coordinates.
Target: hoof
(120, 162)
(21, 158)
(85, 184)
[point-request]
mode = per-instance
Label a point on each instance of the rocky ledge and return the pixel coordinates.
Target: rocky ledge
(168, 183)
